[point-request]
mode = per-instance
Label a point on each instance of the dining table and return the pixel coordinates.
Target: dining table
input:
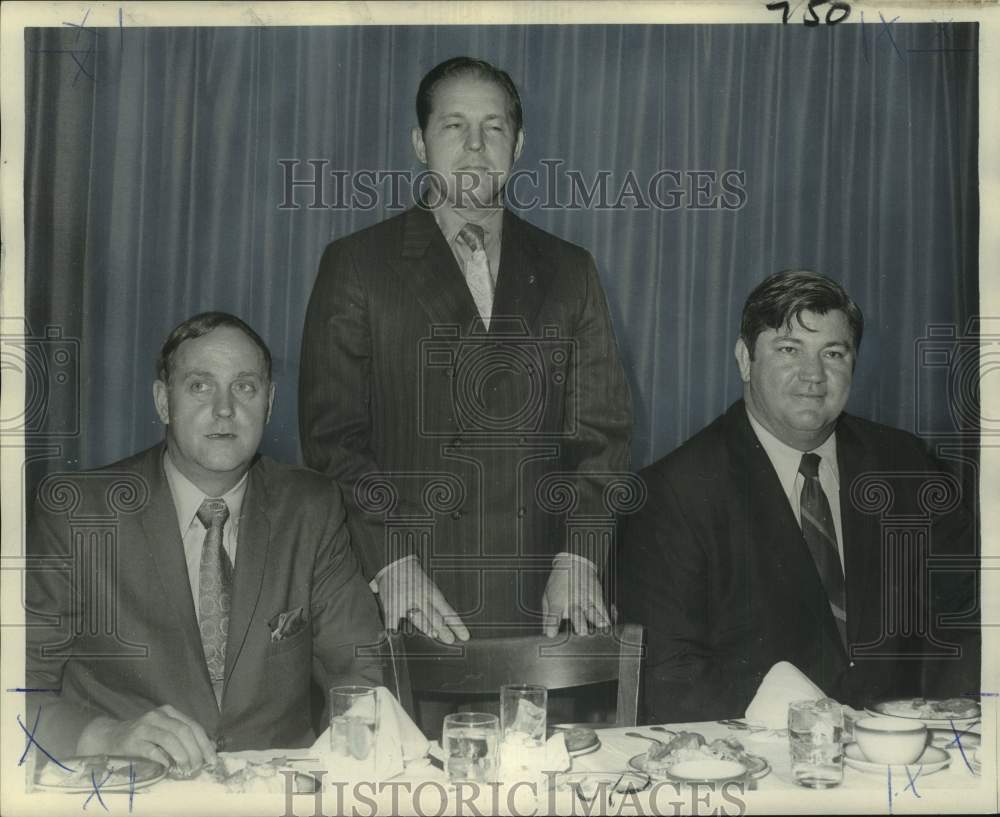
(423, 788)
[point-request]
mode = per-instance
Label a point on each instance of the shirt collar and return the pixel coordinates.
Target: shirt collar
(786, 459)
(451, 221)
(188, 497)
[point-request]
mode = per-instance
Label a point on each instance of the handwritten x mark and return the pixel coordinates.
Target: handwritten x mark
(33, 740)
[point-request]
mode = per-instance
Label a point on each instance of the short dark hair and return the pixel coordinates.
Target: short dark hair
(463, 66)
(199, 326)
(785, 295)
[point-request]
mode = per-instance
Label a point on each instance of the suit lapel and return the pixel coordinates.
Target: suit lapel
(251, 557)
(523, 277)
(428, 267)
(773, 524)
(166, 550)
(862, 546)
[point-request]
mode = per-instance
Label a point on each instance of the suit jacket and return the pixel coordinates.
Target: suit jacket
(112, 626)
(447, 437)
(716, 567)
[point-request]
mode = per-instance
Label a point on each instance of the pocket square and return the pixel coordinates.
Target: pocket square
(285, 625)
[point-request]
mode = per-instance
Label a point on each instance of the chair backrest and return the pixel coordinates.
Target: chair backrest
(481, 666)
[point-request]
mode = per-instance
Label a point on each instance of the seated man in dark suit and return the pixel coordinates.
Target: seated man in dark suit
(763, 538)
(181, 601)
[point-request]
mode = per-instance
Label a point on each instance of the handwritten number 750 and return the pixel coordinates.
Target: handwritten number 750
(809, 16)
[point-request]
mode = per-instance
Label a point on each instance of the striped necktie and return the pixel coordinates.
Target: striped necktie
(215, 587)
(821, 537)
(477, 270)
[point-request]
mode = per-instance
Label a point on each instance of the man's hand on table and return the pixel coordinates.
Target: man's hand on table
(573, 591)
(407, 592)
(162, 734)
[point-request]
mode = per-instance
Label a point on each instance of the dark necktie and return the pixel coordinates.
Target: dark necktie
(821, 537)
(477, 270)
(215, 587)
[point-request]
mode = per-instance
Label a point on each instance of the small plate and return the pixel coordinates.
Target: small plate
(585, 738)
(898, 709)
(947, 739)
(756, 766)
(710, 771)
(126, 774)
(932, 760)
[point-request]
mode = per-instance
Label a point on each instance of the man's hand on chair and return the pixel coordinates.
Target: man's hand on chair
(406, 592)
(573, 591)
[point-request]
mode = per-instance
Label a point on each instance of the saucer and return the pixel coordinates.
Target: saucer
(932, 760)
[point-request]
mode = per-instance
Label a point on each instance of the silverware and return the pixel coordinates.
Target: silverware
(644, 737)
(732, 723)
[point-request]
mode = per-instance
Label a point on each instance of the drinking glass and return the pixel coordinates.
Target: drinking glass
(523, 709)
(469, 741)
(354, 724)
(815, 738)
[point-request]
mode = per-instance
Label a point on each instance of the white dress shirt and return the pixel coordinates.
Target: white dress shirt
(786, 460)
(187, 499)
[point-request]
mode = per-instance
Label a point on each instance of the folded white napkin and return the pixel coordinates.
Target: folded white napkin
(783, 684)
(517, 760)
(398, 741)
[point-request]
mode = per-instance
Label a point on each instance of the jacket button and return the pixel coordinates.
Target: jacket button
(851, 665)
(220, 744)
(457, 442)
(520, 512)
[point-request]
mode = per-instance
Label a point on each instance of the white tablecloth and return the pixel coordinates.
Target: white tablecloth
(424, 790)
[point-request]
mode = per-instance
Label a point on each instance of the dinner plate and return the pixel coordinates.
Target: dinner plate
(92, 771)
(932, 760)
(898, 709)
(756, 766)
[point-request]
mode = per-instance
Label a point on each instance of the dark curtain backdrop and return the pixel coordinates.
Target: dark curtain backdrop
(153, 191)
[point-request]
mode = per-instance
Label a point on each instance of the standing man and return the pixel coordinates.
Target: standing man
(455, 359)
(182, 601)
(788, 530)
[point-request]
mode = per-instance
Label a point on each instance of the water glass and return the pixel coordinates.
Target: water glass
(523, 709)
(354, 724)
(469, 741)
(815, 738)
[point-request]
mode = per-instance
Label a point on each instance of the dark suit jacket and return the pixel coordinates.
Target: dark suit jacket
(107, 562)
(400, 378)
(716, 568)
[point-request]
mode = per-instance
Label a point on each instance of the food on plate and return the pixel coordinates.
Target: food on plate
(107, 770)
(691, 746)
(947, 709)
(249, 777)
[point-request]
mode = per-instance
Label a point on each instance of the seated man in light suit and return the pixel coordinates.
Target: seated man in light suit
(229, 582)
(759, 543)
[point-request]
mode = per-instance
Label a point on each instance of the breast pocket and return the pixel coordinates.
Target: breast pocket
(298, 641)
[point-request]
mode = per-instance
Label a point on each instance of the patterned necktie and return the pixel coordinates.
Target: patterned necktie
(821, 537)
(214, 591)
(477, 270)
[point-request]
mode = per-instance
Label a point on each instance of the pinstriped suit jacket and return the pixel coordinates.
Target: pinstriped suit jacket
(442, 433)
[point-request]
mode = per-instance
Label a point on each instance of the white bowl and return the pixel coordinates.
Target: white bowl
(890, 740)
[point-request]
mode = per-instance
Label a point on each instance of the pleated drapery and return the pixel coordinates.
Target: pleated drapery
(155, 178)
